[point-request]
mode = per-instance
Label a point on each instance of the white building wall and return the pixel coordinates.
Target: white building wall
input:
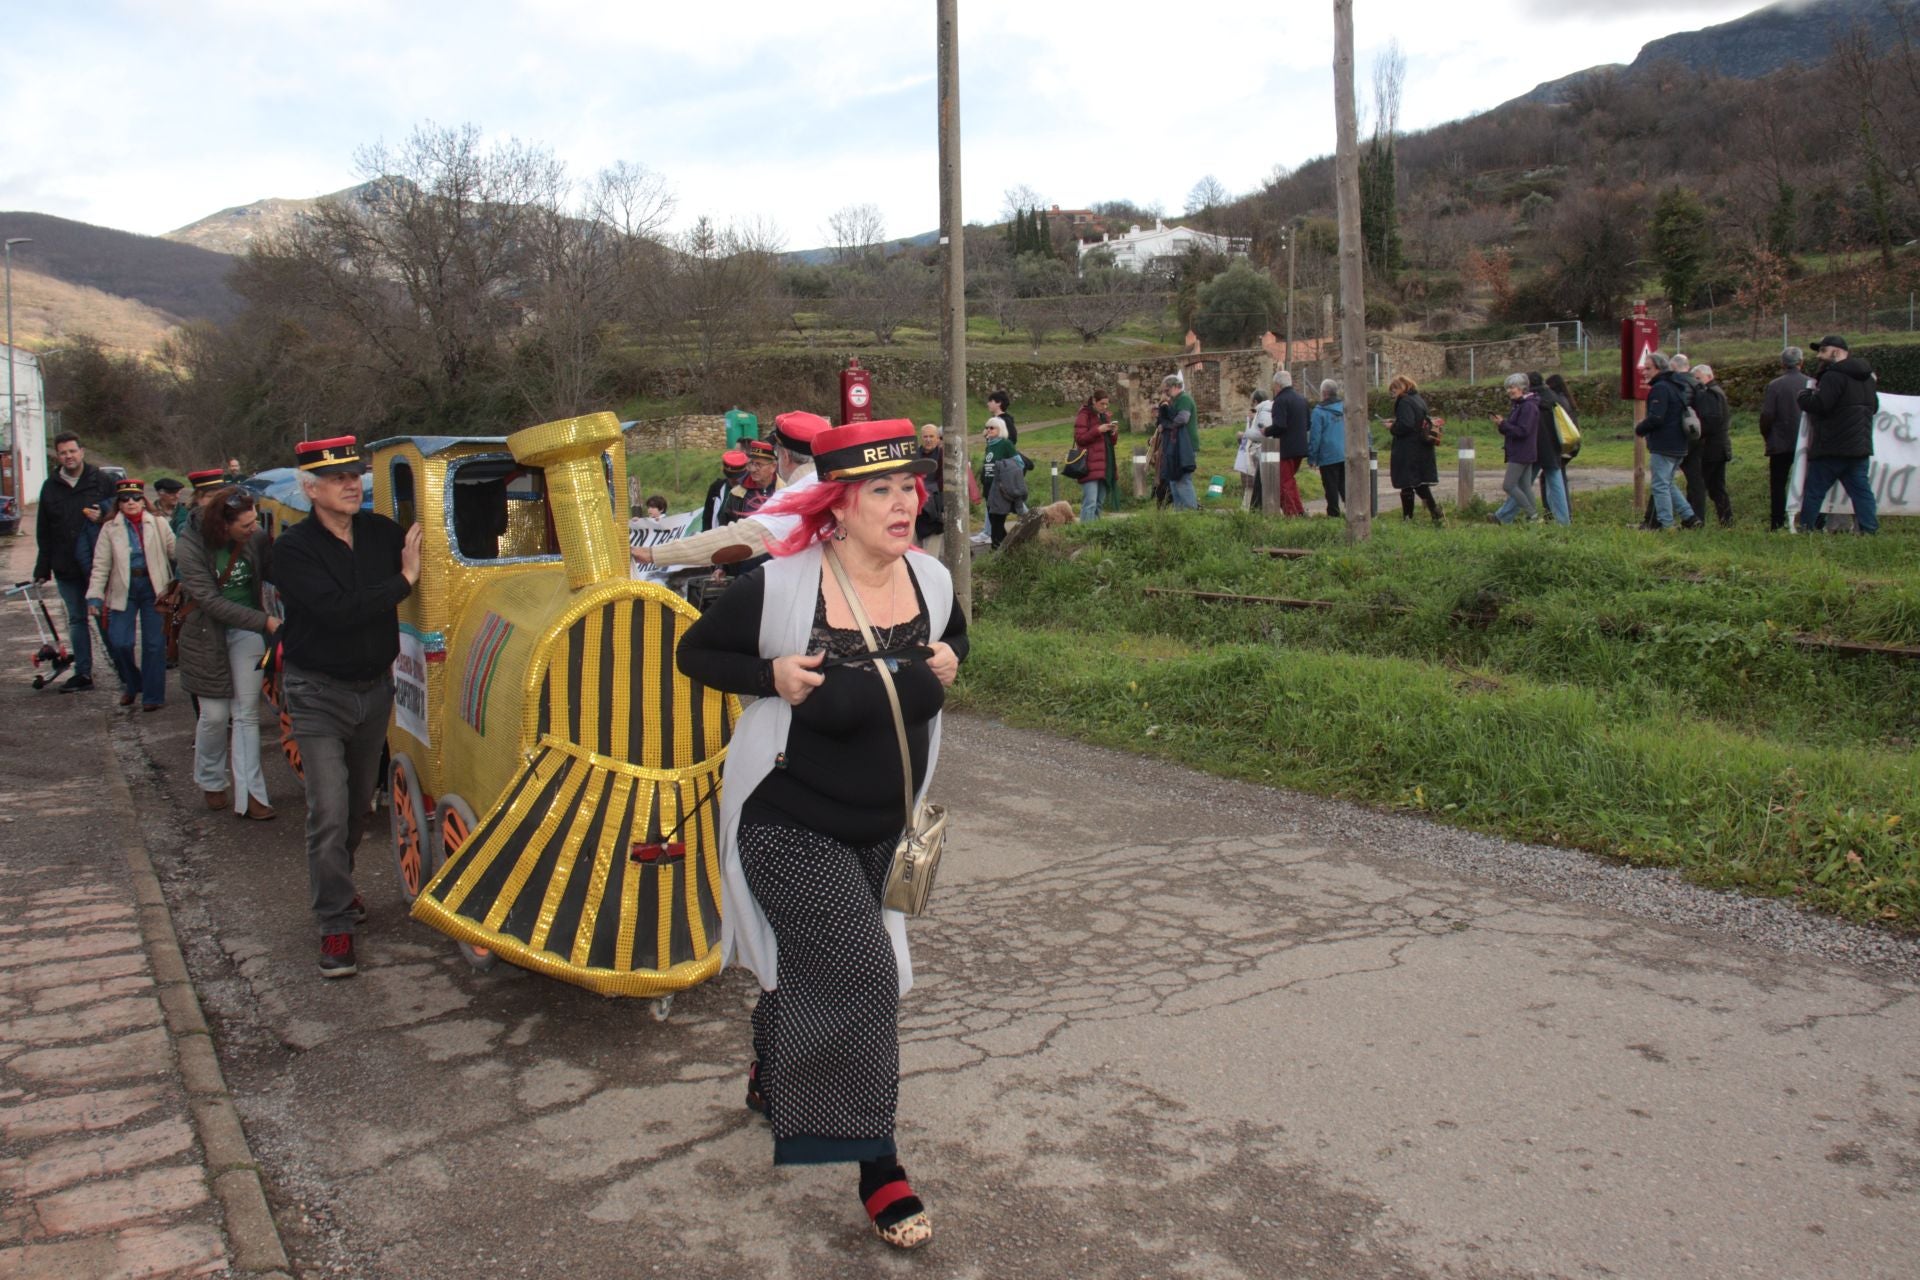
(30, 419)
(1138, 248)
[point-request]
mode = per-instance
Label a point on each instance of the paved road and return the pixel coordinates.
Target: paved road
(1152, 1037)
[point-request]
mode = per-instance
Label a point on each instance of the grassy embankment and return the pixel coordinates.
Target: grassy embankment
(1634, 694)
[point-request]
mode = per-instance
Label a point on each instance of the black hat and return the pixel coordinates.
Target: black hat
(862, 450)
(328, 457)
(167, 484)
(1833, 340)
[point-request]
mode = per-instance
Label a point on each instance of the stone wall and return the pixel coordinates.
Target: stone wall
(702, 431)
(1487, 361)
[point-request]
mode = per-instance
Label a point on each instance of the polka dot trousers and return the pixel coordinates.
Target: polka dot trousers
(827, 1039)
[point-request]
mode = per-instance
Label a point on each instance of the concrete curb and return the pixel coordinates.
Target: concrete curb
(252, 1237)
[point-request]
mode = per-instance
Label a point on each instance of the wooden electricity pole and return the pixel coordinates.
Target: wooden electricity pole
(1293, 250)
(956, 551)
(1353, 294)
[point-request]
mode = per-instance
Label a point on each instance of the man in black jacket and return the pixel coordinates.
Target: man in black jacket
(70, 500)
(341, 574)
(1780, 430)
(1292, 427)
(1841, 408)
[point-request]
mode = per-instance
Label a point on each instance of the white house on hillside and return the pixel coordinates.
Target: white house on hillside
(1137, 249)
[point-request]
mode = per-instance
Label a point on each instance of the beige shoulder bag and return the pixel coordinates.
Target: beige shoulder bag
(916, 858)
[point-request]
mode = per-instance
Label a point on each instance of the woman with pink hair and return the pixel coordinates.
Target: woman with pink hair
(808, 823)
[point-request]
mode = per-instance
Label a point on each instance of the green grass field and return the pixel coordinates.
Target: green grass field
(1638, 695)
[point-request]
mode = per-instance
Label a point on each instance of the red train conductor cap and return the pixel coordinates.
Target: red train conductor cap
(202, 481)
(328, 457)
(733, 460)
(758, 449)
(795, 431)
(129, 488)
(863, 450)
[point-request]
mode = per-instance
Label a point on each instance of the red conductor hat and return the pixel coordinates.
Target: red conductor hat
(795, 431)
(863, 450)
(202, 481)
(734, 460)
(758, 449)
(129, 488)
(328, 457)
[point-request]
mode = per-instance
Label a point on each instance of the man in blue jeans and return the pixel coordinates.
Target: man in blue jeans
(1840, 407)
(73, 500)
(1666, 432)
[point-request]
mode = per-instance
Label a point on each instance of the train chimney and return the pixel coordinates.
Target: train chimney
(592, 541)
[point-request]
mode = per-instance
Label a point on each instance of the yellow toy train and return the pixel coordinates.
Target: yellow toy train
(554, 780)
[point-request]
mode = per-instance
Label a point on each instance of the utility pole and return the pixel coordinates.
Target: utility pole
(1353, 295)
(13, 418)
(1293, 235)
(956, 550)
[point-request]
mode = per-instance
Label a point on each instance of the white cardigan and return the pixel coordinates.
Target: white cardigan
(113, 559)
(786, 625)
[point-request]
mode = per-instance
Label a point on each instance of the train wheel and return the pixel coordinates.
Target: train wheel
(456, 824)
(411, 843)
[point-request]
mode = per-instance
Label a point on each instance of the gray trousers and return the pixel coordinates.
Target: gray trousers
(340, 726)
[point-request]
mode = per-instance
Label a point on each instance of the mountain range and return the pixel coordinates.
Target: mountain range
(128, 289)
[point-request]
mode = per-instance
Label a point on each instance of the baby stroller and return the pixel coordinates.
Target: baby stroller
(53, 653)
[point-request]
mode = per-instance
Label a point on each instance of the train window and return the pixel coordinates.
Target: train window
(498, 510)
(402, 476)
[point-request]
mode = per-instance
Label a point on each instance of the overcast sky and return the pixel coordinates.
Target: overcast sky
(146, 115)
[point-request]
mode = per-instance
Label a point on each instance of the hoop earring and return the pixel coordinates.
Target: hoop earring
(840, 533)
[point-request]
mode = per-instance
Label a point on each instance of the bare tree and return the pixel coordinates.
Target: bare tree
(856, 233)
(716, 289)
(590, 268)
(1206, 196)
(421, 278)
(1389, 78)
(1106, 297)
(1018, 199)
(884, 296)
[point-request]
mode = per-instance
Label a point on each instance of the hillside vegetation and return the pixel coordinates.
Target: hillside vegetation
(1645, 696)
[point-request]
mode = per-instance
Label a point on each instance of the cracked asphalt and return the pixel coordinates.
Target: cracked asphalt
(1164, 1025)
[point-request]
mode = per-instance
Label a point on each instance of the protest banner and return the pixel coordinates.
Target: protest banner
(1894, 475)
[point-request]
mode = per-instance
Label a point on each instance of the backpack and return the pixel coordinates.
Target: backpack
(1430, 430)
(1690, 422)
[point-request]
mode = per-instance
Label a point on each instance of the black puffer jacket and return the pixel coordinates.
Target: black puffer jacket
(1840, 410)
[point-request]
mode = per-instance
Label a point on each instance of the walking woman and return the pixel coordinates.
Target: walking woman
(223, 560)
(1093, 431)
(808, 814)
(1412, 467)
(1553, 464)
(1004, 478)
(132, 567)
(1246, 458)
(1520, 430)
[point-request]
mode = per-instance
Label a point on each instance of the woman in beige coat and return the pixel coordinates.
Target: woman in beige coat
(132, 566)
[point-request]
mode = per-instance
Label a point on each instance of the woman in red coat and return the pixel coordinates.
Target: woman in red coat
(1093, 430)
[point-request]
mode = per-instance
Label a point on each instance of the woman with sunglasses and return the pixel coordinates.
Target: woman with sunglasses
(223, 560)
(132, 567)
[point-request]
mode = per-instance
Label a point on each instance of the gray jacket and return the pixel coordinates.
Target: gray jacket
(204, 670)
(1780, 412)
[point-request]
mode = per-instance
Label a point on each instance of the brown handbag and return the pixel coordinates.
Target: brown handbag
(916, 858)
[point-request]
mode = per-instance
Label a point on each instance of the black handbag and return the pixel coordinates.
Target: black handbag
(1077, 466)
